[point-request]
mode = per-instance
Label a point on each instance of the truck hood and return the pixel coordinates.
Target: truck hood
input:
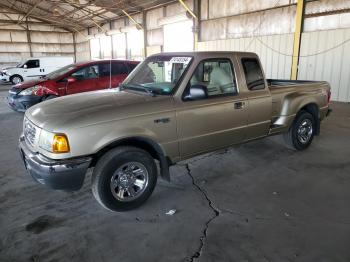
(7, 68)
(90, 108)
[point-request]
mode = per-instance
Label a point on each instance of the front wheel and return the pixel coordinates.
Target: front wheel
(16, 79)
(302, 131)
(124, 178)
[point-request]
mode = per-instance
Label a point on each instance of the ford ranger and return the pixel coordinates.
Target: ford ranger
(172, 107)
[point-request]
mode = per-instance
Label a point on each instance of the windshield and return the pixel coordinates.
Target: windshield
(158, 74)
(60, 72)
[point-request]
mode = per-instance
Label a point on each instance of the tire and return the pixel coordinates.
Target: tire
(302, 131)
(122, 165)
(15, 79)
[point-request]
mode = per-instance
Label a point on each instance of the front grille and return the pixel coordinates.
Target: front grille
(29, 131)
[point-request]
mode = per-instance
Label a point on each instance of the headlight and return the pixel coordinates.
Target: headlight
(29, 91)
(55, 143)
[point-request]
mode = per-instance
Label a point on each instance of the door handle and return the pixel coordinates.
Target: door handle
(239, 105)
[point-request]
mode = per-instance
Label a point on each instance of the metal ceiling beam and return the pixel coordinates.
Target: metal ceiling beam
(79, 8)
(83, 9)
(105, 9)
(71, 23)
(40, 18)
(187, 9)
(9, 17)
(132, 19)
(31, 10)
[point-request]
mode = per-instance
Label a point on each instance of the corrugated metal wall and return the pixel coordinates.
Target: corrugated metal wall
(325, 55)
(276, 65)
(46, 40)
(325, 46)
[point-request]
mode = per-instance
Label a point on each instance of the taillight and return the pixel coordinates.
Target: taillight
(329, 93)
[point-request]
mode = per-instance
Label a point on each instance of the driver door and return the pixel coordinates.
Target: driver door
(217, 120)
(85, 80)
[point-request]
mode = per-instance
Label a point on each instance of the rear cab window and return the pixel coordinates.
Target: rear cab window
(253, 74)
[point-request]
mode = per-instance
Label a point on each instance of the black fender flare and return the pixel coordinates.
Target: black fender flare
(148, 145)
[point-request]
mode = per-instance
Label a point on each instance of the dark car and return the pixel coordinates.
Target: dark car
(71, 79)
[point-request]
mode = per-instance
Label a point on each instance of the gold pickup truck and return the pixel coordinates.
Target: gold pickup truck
(172, 107)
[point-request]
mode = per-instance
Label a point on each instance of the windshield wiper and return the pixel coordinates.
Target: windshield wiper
(138, 87)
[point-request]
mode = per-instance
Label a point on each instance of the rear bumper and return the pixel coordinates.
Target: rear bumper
(68, 174)
(22, 103)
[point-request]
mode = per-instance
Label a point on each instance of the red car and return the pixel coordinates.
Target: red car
(71, 79)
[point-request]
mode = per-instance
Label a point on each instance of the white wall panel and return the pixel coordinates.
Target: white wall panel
(14, 47)
(82, 51)
(174, 9)
(324, 57)
(155, 37)
(116, 24)
(275, 51)
(106, 47)
(119, 46)
(222, 8)
(18, 36)
(152, 18)
(271, 22)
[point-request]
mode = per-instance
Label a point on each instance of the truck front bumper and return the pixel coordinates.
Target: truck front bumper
(68, 174)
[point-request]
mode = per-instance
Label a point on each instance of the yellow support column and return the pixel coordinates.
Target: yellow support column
(196, 20)
(299, 19)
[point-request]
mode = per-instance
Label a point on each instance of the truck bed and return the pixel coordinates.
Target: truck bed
(277, 83)
(288, 94)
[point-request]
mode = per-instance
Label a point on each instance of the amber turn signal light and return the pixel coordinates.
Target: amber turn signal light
(60, 144)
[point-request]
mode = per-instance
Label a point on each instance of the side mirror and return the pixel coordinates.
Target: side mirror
(71, 79)
(25, 66)
(196, 92)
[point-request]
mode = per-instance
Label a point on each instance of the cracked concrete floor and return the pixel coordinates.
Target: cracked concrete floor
(255, 202)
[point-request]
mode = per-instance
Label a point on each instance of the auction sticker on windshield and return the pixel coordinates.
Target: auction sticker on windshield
(180, 59)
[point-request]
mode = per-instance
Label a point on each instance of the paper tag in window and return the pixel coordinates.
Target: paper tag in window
(180, 60)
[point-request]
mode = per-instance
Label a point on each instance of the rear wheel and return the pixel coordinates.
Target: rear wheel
(302, 132)
(15, 79)
(124, 178)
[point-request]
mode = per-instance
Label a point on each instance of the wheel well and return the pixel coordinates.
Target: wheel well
(11, 77)
(136, 142)
(314, 111)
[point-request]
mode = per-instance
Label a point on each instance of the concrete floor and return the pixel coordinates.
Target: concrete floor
(256, 202)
